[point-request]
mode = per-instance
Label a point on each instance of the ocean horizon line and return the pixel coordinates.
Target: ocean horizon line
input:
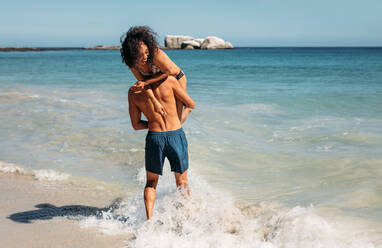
(69, 48)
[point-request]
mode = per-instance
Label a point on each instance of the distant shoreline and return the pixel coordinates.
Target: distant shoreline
(42, 49)
(39, 49)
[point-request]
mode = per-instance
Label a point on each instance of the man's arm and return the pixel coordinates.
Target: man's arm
(136, 114)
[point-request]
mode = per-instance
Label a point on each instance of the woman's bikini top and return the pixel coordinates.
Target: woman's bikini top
(154, 70)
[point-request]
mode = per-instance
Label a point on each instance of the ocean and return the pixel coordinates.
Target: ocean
(285, 143)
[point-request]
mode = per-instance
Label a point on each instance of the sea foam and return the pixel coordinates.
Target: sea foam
(211, 218)
(11, 168)
(41, 175)
(50, 175)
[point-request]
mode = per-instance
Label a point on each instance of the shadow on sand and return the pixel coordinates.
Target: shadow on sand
(48, 211)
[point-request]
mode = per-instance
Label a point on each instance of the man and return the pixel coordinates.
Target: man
(165, 137)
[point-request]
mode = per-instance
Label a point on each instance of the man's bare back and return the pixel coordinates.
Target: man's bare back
(165, 137)
(165, 92)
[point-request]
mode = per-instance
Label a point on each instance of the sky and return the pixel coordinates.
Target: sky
(48, 23)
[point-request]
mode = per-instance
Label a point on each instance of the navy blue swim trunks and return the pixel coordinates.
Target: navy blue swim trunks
(170, 144)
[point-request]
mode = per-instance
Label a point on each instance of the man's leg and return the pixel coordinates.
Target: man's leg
(181, 181)
(150, 192)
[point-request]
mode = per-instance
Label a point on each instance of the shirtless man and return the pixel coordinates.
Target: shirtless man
(165, 137)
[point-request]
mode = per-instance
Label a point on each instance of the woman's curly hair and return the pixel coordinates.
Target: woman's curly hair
(130, 44)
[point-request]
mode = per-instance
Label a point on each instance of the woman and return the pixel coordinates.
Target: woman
(149, 64)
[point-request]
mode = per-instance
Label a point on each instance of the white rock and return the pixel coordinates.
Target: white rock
(189, 47)
(175, 41)
(228, 45)
(213, 42)
(199, 40)
(192, 43)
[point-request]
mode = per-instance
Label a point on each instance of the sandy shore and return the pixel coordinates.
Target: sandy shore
(22, 224)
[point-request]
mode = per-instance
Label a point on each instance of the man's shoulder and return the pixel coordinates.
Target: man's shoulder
(137, 96)
(134, 92)
(131, 92)
(166, 87)
(171, 81)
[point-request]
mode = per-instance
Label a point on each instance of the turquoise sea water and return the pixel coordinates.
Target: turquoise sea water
(292, 126)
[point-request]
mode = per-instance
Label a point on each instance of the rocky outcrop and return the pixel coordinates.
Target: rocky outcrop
(189, 47)
(213, 42)
(188, 42)
(199, 40)
(175, 41)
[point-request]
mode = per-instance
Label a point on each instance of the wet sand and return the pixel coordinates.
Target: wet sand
(30, 226)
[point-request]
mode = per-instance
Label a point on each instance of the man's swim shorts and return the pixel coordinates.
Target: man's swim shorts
(170, 144)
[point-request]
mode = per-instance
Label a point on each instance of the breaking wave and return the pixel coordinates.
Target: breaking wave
(210, 218)
(40, 175)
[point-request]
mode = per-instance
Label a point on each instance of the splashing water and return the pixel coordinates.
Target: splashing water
(209, 218)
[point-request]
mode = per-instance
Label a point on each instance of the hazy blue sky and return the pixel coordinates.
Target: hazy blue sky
(242, 22)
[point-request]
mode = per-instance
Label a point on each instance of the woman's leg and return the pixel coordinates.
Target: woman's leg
(179, 105)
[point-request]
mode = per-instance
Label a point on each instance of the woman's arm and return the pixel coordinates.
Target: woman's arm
(165, 64)
(149, 92)
(140, 85)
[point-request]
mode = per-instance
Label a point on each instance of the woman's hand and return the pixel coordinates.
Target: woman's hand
(138, 86)
(158, 107)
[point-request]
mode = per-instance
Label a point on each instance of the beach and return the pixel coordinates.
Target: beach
(285, 151)
(25, 222)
